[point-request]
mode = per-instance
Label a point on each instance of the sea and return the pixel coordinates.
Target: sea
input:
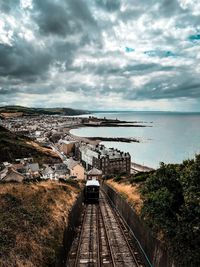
(170, 137)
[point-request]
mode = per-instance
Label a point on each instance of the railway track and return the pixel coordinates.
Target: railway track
(103, 240)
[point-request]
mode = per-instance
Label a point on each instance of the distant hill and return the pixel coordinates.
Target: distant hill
(41, 111)
(13, 147)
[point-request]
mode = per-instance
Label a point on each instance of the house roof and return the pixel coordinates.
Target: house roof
(94, 171)
(92, 183)
(71, 163)
(49, 170)
(3, 173)
(60, 166)
(18, 166)
(13, 175)
(67, 142)
(33, 166)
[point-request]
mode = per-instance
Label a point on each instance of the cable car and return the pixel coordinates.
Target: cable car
(91, 191)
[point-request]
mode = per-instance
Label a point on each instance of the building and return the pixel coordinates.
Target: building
(108, 160)
(61, 171)
(56, 171)
(66, 147)
(76, 169)
(94, 174)
(12, 176)
(32, 170)
(32, 167)
(49, 173)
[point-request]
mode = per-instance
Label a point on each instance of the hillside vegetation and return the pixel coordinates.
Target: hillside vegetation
(32, 222)
(40, 111)
(13, 147)
(172, 209)
(170, 206)
(131, 192)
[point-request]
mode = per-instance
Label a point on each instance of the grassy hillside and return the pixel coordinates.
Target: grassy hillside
(32, 222)
(168, 200)
(13, 147)
(40, 111)
(131, 192)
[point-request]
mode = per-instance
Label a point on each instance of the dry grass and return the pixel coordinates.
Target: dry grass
(32, 222)
(130, 192)
(42, 149)
(11, 114)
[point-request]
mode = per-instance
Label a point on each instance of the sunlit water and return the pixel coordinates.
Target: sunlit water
(172, 138)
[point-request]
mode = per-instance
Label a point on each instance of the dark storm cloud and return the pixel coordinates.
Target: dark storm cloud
(23, 60)
(169, 8)
(85, 48)
(62, 18)
(31, 89)
(109, 5)
(131, 69)
(9, 91)
(9, 5)
(169, 89)
(53, 18)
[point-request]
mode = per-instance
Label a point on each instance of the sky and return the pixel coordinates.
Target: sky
(100, 54)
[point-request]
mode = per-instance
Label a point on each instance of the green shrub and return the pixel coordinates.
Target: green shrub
(139, 177)
(107, 177)
(117, 179)
(171, 206)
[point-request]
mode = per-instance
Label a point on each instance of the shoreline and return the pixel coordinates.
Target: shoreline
(93, 140)
(104, 122)
(135, 167)
(114, 139)
(115, 125)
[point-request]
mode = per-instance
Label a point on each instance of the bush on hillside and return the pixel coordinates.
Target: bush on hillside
(172, 208)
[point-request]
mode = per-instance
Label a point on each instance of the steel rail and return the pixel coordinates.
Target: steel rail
(80, 238)
(107, 238)
(91, 252)
(98, 237)
(124, 235)
(93, 211)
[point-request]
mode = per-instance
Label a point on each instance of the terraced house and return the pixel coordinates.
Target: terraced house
(108, 160)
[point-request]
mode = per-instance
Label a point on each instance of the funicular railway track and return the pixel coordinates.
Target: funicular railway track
(103, 240)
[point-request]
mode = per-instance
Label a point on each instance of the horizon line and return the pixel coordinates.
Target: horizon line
(103, 111)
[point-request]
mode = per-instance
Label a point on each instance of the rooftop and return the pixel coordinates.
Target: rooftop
(66, 142)
(95, 171)
(71, 163)
(92, 183)
(102, 151)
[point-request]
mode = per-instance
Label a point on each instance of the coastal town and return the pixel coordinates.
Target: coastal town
(79, 157)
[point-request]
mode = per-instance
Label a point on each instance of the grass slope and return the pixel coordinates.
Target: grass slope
(32, 222)
(13, 147)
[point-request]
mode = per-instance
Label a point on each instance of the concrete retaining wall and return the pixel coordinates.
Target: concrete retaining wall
(74, 220)
(156, 254)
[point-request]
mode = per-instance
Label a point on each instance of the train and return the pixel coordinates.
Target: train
(91, 191)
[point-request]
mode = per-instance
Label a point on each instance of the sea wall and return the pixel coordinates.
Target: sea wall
(155, 254)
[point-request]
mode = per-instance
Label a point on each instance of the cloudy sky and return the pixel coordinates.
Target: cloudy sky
(101, 54)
